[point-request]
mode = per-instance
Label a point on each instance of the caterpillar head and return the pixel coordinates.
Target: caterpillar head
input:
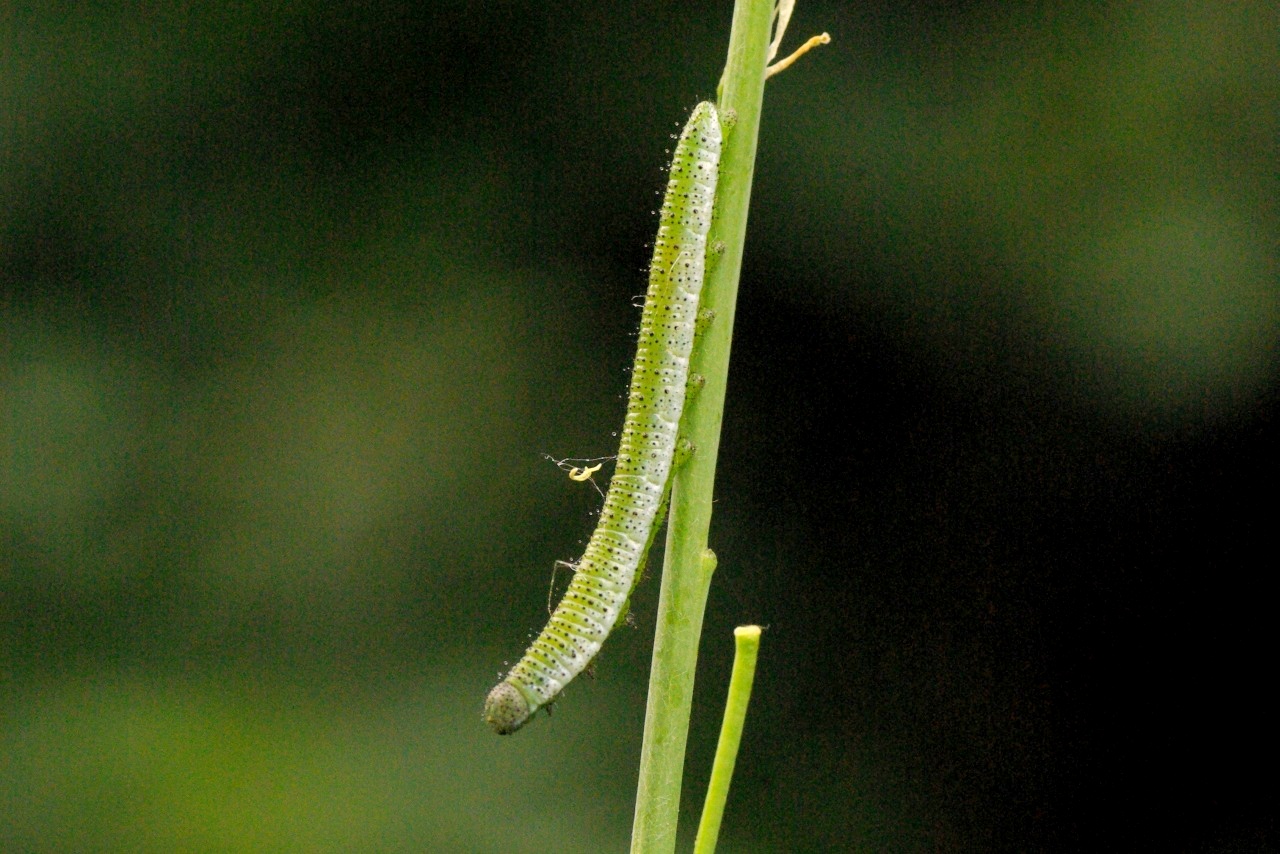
(506, 709)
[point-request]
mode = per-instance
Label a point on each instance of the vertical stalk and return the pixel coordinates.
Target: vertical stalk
(746, 649)
(688, 563)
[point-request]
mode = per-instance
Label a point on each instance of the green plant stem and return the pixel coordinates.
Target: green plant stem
(747, 647)
(688, 564)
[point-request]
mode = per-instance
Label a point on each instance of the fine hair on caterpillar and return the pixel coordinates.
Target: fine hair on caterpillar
(600, 590)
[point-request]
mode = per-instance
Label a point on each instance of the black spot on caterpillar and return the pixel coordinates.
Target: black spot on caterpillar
(601, 587)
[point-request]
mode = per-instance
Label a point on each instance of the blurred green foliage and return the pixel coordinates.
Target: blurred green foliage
(293, 298)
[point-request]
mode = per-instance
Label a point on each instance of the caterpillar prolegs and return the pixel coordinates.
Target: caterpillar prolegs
(601, 587)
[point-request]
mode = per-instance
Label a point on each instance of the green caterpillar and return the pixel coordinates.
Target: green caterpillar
(602, 584)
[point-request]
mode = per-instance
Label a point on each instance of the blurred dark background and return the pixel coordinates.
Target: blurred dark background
(295, 297)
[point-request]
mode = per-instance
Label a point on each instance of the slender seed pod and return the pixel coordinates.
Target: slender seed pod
(604, 578)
